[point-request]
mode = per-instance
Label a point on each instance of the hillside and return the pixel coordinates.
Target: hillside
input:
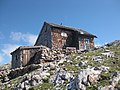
(98, 69)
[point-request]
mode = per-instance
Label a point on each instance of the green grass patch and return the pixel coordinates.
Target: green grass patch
(43, 86)
(91, 87)
(103, 83)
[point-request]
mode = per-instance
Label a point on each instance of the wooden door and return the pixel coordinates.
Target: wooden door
(86, 44)
(26, 57)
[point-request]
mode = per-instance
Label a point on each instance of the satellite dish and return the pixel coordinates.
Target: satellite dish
(82, 32)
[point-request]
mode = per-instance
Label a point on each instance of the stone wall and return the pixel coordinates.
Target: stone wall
(46, 54)
(62, 38)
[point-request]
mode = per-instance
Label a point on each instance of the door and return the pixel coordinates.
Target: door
(86, 44)
(26, 57)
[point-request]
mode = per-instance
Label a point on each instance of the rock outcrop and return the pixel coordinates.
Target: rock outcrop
(58, 69)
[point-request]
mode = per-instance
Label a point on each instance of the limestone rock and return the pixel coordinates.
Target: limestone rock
(82, 63)
(62, 75)
(85, 77)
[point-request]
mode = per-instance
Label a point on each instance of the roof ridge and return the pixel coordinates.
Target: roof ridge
(53, 24)
(81, 31)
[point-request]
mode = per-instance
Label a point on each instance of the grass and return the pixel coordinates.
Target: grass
(12, 82)
(105, 75)
(71, 68)
(43, 86)
(95, 53)
(91, 87)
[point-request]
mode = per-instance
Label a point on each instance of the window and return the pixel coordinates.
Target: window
(63, 34)
(63, 43)
(86, 43)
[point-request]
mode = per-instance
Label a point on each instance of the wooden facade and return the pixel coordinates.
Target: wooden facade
(57, 36)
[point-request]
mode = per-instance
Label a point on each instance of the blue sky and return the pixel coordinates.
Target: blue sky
(22, 20)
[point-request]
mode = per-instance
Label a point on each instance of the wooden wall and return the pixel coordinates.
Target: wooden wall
(16, 59)
(23, 57)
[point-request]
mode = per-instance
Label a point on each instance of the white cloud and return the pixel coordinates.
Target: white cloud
(5, 51)
(28, 38)
(8, 48)
(1, 58)
(16, 36)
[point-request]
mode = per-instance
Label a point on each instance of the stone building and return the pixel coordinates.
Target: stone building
(53, 36)
(58, 36)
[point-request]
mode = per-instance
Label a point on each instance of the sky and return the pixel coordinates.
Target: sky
(22, 20)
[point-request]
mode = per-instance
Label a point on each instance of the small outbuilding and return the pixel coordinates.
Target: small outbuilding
(22, 55)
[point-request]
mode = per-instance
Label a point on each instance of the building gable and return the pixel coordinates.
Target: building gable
(44, 37)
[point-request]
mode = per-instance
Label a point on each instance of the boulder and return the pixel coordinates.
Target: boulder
(52, 66)
(5, 79)
(108, 53)
(97, 58)
(85, 77)
(37, 78)
(82, 63)
(93, 78)
(33, 82)
(22, 85)
(62, 75)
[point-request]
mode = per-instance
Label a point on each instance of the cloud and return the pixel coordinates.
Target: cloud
(31, 39)
(28, 38)
(1, 57)
(20, 37)
(8, 48)
(16, 36)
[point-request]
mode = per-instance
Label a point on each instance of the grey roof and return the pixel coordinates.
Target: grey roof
(25, 47)
(80, 31)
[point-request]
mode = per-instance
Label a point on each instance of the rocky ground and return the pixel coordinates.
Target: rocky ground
(65, 70)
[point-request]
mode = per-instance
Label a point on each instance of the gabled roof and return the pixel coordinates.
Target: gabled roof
(80, 31)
